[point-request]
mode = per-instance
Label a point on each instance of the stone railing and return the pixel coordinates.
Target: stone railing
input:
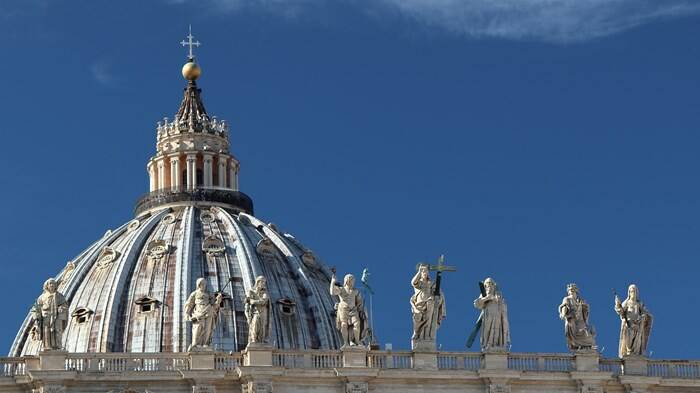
(126, 362)
(12, 367)
(541, 362)
(319, 359)
(673, 369)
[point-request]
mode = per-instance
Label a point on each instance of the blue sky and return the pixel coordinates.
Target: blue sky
(537, 142)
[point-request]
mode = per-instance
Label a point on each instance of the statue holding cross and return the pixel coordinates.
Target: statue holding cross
(427, 304)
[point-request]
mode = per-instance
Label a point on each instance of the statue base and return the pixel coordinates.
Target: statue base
(354, 355)
(202, 359)
(634, 365)
(495, 360)
(587, 359)
(423, 346)
(53, 359)
(258, 354)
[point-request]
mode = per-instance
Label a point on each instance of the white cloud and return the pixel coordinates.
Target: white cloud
(560, 21)
(101, 72)
(546, 20)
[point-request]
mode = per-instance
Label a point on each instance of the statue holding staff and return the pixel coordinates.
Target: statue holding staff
(495, 329)
(202, 309)
(574, 311)
(351, 319)
(50, 316)
(257, 312)
(427, 304)
(635, 324)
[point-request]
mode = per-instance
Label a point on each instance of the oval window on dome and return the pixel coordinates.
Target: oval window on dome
(286, 306)
(266, 247)
(206, 216)
(168, 219)
(156, 250)
(81, 314)
(107, 256)
(133, 225)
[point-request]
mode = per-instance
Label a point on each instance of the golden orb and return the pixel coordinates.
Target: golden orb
(191, 71)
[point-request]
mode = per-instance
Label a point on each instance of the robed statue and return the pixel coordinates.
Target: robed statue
(50, 316)
(574, 311)
(257, 312)
(635, 324)
(350, 317)
(427, 309)
(495, 329)
(202, 309)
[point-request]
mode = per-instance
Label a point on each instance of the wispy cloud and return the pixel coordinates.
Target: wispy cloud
(546, 20)
(101, 71)
(560, 21)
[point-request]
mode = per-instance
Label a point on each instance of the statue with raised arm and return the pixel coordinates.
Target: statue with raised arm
(635, 324)
(574, 311)
(350, 318)
(202, 309)
(50, 316)
(257, 312)
(427, 309)
(495, 329)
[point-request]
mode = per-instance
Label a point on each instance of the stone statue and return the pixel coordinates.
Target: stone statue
(351, 318)
(257, 312)
(427, 309)
(574, 311)
(495, 330)
(50, 316)
(202, 309)
(635, 325)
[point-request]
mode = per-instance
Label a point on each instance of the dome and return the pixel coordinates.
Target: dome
(127, 291)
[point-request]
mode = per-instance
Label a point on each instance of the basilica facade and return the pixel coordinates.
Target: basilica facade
(197, 294)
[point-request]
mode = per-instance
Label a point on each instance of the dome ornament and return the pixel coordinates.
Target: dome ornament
(191, 70)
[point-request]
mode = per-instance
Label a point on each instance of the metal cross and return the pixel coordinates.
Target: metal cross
(441, 267)
(190, 43)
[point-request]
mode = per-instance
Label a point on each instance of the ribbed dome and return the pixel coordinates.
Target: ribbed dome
(127, 290)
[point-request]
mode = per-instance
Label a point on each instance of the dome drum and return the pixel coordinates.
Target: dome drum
(236, 200)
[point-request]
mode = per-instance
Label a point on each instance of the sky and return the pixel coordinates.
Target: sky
(538, 142)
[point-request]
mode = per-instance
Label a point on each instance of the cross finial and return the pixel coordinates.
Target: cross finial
(190, 43)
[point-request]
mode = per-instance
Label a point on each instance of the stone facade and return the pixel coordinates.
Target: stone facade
(327, 372)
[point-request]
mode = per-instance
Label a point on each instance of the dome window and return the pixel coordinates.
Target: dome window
(206, 216)
(107, 256)
(286, 306)
(133, 225)
(168, 219)
(308, 258)
(213, 247)
(81, 314)
(266, 247)
(156, 250)
(146, 304)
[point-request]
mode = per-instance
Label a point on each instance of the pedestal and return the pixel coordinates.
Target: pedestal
(52, 360)
(495, 360)
(634, 365)
(354, 356)
(425, 360)
(257, 354)
(587, 360)
(202, 360)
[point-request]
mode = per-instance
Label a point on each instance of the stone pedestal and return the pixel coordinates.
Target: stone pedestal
(257, 354)
(202, 360)
(495, 360)
(354, 356)
(634, 365)
(52, 360)
(423, 346)
(587, 360)
(425, 360)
